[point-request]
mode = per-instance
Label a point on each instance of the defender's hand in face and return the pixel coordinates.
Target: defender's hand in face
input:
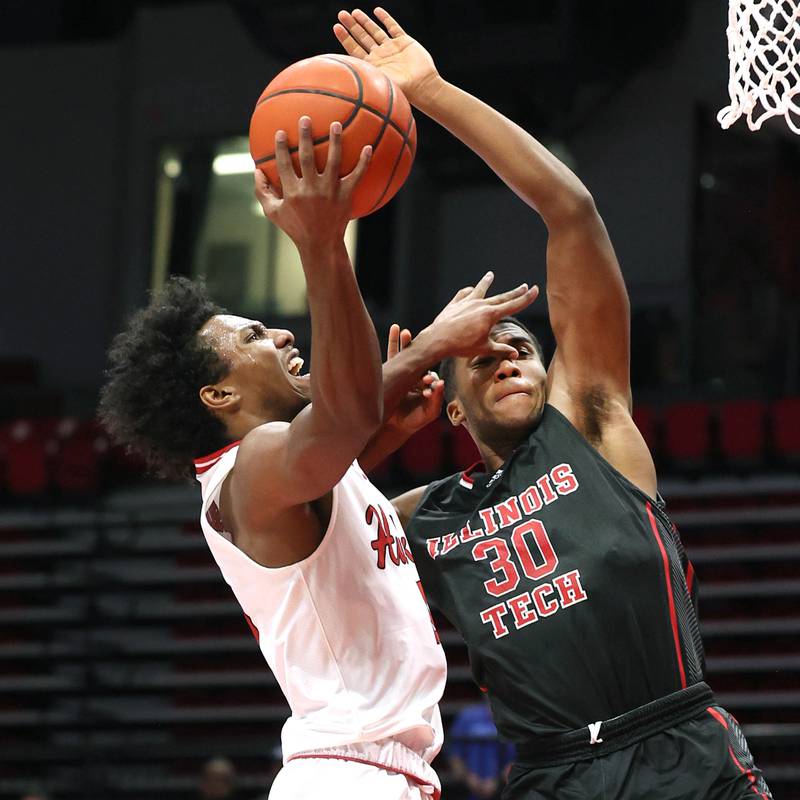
(389, 48)
(464, 324)
(314, 208)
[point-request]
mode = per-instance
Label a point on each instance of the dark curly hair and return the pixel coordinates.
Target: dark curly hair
(446, 369)
(150, 402)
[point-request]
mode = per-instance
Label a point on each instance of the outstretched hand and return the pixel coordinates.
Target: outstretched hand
(389, 48)
(423, 403)
(313, 207)
(463, 326)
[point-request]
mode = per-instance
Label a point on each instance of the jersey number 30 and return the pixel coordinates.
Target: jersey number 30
(530, 533)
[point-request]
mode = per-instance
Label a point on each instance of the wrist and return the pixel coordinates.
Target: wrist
(425, 95)
(429, 346)
(317, 250)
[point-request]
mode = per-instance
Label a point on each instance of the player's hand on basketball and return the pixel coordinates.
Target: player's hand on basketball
(313, 207)
(423, 404)
(389, 48)
(462, 327)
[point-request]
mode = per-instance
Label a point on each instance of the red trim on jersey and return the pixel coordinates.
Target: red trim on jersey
(672, 614)
(746, 772)
(206, 462)
(689, 576)
(466, 475)
(436, 793)
(253, 628)
(718, 717)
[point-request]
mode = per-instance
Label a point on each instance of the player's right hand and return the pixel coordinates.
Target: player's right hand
(390, 49)
(313, 209)
(463, 326)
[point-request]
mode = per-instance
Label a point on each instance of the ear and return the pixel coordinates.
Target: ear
(220, 399)
(455, 413)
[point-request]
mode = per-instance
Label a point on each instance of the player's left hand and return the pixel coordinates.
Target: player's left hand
(390, 49)
(423, 403)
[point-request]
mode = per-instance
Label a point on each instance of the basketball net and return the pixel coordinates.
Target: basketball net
(764, 54)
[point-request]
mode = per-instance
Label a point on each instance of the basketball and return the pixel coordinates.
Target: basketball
(369, 106)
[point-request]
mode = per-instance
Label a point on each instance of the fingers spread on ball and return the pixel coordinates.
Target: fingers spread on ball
(308, 169)
(334, 161)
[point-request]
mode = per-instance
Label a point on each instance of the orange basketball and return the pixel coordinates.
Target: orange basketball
(370, 107)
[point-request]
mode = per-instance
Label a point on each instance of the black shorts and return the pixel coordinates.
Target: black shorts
(703, 758)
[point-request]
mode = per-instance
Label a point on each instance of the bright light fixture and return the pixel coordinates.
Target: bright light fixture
(233, 164)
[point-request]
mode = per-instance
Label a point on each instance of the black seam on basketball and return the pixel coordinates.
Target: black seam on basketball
(325, 92)
(386, 119)
(358, 104)
(394, 170)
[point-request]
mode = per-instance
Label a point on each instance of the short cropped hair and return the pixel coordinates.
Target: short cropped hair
(150, 402)
(447, 365)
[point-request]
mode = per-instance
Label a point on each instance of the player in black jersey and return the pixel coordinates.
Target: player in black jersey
(554, 558)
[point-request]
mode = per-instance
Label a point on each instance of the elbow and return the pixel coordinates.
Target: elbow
(574, 206)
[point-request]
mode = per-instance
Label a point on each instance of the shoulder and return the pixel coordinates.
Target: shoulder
(441, 498)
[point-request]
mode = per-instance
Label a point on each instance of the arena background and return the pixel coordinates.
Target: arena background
(125, 663)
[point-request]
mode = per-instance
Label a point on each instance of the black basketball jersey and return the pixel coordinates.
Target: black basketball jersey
(569, 584)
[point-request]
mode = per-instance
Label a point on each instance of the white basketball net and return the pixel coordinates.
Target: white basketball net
(764, 53)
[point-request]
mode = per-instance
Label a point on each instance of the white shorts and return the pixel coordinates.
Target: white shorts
(384, 770)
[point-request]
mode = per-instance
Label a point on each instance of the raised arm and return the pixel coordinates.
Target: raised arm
(587, 300)
(280, 465)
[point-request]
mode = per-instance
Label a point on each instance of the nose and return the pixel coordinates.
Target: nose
(506, 369)
(281, 338)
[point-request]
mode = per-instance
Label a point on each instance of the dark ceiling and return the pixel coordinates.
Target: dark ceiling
(546, 63)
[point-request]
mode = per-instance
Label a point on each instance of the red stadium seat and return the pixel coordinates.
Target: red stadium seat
(645, 419)
(27, 453)
(463, 452)
(742, 435)
(687, 433)
(423, 454)
(82, 451)
(786, 428)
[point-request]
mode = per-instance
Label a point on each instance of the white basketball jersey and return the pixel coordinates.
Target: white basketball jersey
(346, 631)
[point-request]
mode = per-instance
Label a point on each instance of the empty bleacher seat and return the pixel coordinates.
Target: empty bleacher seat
(423, 454)
(463, 452)
(786, 428)
(742, 436)
(79, 457)
(645, 419)
(27, 448)
(687, 433)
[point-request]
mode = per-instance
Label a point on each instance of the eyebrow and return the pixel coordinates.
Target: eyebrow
(255, 327)
(518, 339)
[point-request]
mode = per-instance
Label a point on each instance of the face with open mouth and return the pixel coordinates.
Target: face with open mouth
(266, 369)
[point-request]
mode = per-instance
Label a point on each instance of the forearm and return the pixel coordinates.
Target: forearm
(401, 373)
(386, 441)
(346, 365)
(522, 162)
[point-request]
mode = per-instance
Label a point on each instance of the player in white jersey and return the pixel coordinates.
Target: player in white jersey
(313, 552)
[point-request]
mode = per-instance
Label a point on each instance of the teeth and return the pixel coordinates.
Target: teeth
(295, 365)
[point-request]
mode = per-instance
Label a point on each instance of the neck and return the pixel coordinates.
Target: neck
(245, 422)
(494, 455)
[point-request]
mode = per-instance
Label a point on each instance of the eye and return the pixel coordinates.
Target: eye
(256, 334)
(481, 362)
